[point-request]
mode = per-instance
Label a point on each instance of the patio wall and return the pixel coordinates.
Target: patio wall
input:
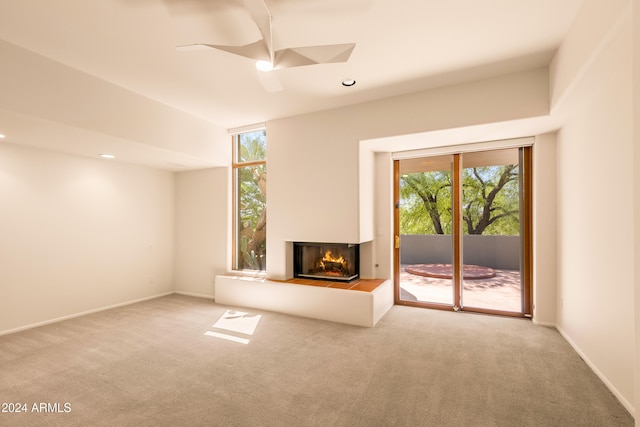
(501, 252)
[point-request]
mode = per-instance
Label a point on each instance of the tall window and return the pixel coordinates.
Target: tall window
(250, 200)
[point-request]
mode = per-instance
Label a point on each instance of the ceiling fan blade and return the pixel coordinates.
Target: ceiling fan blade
(283, 58)
(309, 55)
(194, 46)
(256, 50)
(262, 17)
(270, 81)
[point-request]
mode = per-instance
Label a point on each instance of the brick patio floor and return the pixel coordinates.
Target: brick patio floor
(502, 292)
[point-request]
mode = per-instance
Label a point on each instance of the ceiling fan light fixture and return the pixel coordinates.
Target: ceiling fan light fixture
(348, 82)
(263, 65)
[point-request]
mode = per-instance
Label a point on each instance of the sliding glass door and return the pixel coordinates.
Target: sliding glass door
(463, 231)
(426, 204)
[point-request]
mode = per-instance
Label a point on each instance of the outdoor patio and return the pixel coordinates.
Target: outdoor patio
(502, 292)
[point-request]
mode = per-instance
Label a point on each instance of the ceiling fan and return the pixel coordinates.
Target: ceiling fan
(267, 58)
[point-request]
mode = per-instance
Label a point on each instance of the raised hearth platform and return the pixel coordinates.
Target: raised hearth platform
(362, 302)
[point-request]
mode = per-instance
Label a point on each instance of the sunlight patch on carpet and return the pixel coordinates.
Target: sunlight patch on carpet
(227, 337)
(235, 324)
(238, 321)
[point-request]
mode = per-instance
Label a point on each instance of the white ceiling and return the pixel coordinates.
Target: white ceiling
(401, 46)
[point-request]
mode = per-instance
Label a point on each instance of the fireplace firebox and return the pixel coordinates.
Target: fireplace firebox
(326, 261)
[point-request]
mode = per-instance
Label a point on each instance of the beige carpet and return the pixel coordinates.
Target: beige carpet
(156, 363)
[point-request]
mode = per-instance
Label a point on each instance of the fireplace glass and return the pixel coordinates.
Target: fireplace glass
(326, 261)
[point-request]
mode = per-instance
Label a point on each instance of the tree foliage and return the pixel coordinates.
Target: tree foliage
(426, 195)
(252, 199)
(490, 201)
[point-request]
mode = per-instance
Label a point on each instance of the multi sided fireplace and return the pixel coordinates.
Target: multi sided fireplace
(326, 261)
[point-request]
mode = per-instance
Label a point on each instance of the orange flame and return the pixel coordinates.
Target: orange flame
(329, 258)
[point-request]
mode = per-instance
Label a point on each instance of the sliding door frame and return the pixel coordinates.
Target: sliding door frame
(457, 231)
(526, 270)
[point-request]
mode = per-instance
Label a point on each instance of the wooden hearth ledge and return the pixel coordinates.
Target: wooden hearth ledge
(364, 285)
(362, 302)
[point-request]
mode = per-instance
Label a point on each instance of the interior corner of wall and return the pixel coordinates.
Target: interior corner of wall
(593, 28)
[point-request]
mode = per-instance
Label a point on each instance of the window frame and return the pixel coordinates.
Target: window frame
(236, 166)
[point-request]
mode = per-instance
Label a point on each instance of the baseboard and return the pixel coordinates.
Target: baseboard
(546, 324)
(629, 407)
(192, 294)
(83, 313)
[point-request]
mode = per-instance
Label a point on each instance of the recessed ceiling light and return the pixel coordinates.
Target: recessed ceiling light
(107, 156)
(264, 65)
(1, 136)
(348, 82)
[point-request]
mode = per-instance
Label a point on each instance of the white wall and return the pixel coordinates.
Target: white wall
(383, 239)
(544, 230)
(366, 192)
(202, 229)
(79, 235)
(595, 309)
(315, 184)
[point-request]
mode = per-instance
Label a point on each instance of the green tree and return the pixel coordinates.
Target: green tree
(490, 202)
(430, 193)
(252, 197)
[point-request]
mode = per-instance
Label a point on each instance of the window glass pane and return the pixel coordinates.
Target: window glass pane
(491, 193)
(491, 247)
(426, 230)
(251, 146)
(251, 240)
